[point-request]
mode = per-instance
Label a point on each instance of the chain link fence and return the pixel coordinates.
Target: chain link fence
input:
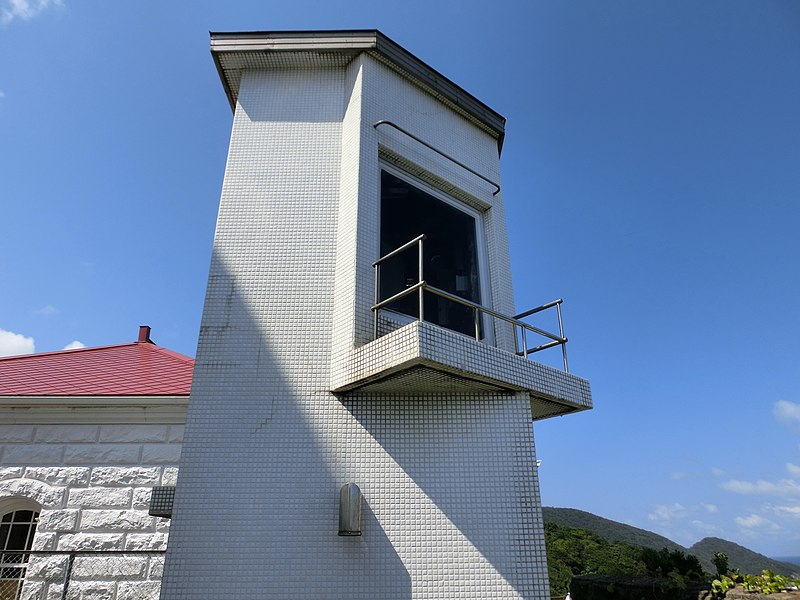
(81, 575)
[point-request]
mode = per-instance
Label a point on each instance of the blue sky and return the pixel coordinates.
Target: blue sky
(651, 173)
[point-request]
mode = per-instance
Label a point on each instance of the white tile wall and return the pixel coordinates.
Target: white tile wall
(451, 495)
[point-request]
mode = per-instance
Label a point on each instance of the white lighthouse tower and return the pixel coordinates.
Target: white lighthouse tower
(360, 416)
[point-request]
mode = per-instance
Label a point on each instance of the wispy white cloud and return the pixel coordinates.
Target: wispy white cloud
(663, 512)
(791, 511)
(704, 527)
(757, 522)
(717, 472)
(12, 343)
(677, 511)
(25, 10)
(793, 469)
(685, 523)
(46, 311)
(681, 475)
(751, 521)
(783, 488)
(787, 412)
(74, 345)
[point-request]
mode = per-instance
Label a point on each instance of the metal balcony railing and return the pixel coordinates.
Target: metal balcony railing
(521, 329)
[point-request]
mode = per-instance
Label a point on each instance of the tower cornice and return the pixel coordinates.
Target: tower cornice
(234, 52)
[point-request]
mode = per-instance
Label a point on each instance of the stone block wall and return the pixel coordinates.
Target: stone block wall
(91, 483)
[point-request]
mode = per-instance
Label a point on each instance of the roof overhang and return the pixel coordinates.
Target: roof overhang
(16, 410)
(234, 52)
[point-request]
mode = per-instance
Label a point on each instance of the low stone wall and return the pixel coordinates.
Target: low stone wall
(739, 593)
(93, 484)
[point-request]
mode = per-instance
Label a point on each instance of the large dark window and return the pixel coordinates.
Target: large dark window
(16, 536)
(450, 257)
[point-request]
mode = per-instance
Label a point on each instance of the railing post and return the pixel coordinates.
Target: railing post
(524, 343)
(561, 333)
(477, 325)
(377, 299)
(421, 289)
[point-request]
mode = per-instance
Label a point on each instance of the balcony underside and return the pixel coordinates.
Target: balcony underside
(422, 358)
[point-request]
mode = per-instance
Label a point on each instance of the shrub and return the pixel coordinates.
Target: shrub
(671, 563)
(721, 563)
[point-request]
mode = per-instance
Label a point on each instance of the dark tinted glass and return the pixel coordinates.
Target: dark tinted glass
(450, 260)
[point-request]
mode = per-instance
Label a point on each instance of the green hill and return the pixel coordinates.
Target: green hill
(613, 531)
(742, 558)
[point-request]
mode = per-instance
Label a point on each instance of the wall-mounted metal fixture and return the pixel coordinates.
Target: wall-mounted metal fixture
(161, 499)
(439, 152)
(350, 510)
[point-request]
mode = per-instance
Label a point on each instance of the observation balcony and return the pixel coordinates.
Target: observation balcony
(423, 357)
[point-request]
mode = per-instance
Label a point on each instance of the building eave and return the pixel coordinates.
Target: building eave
(347, 44)
(17, 410)
(65, 401)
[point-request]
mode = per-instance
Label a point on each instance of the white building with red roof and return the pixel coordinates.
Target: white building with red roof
(84, 437)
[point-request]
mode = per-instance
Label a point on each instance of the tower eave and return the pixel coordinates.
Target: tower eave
(234, 52)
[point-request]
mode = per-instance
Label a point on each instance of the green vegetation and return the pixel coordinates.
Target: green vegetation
(572, 552)
(721, 563)
(769, 583)
(607, 529)
(745, 559)
(721, 585)
(766, 583)
(672, 564)
(580, 543)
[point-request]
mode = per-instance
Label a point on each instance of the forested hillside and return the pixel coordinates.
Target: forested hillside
(743, 558)
(612, 531)
(572, 552)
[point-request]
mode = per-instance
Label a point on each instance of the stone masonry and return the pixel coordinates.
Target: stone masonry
(92, 482)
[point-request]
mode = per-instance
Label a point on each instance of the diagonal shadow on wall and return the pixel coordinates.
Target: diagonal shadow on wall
(256, 507)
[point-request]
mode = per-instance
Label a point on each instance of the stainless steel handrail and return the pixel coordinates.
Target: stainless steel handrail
(422, 286)
(439, 152)
(406, 292)
(397, 251)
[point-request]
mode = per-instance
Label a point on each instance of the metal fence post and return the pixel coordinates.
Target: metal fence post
(68, 574)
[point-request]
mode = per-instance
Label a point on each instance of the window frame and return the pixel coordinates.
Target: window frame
(6, 568)
(479, 217)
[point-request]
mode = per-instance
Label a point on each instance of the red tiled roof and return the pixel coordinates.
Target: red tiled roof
(138, 369)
